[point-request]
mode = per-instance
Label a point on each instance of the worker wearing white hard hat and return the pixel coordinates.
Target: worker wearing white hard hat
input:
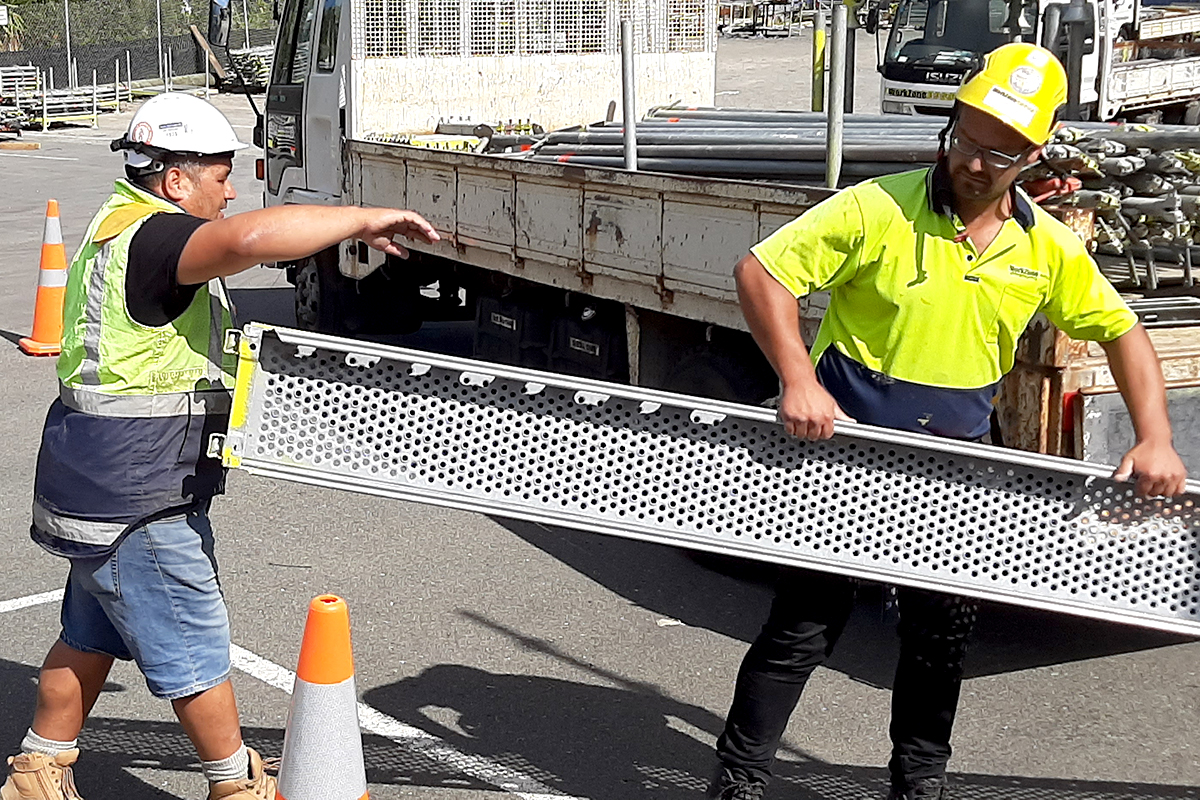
(124, 482)
(176, 124)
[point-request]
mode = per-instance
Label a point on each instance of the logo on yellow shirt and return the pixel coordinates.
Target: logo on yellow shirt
(1024, 272)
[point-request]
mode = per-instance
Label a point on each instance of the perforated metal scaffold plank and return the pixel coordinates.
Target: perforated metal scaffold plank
(907, 509)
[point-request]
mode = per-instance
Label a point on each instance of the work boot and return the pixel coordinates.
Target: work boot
(36, 776)
(726, 785)
(259, 786)
(923, 789)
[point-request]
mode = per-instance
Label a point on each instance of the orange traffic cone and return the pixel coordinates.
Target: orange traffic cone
(322, 748)
(46, 339)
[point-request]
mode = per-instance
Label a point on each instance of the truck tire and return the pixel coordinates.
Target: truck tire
(320, 296)
(720, 376)
(1191, 113)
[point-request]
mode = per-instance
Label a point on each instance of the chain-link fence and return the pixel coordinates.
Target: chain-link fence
(122, 39)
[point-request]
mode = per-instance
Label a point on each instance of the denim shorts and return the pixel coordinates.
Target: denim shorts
(156, 600)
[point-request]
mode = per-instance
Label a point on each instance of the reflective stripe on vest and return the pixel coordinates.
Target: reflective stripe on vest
(79, 531)
(206, 402)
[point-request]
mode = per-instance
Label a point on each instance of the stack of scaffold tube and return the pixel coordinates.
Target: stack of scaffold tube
(750, 144)
(1140, 187)
(1132, 191)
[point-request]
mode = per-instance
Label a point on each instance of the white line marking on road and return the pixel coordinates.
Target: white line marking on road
(30, 600)
(369, 719)
(412, 739)
(43, 158)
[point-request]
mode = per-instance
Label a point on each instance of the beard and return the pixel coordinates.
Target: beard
(976, 187)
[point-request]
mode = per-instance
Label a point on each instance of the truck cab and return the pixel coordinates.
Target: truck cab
(1124, 59)
(305, 118)
(933, 44)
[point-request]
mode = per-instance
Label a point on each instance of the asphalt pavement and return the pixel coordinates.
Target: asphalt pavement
(499, 658)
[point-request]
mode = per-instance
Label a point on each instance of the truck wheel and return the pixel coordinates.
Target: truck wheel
(320, 291)
(1191, 113)
(721, 376)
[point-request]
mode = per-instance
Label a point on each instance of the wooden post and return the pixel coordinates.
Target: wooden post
(207, 48)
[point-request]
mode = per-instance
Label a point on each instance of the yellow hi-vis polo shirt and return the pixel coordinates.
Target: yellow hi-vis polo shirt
(911, 298)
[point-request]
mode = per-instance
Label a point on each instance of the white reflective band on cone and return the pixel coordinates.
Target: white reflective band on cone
(52, 278)
(52, 233)
(322, 749)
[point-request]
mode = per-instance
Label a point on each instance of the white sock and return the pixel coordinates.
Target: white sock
(234, 768)
(47, 747)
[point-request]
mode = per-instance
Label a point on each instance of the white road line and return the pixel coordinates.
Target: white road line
(30, 600)
(369, 719)
(43, 158)
(412, 739)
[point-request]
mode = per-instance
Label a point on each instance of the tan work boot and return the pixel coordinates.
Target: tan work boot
(34, 776)
(259, 786)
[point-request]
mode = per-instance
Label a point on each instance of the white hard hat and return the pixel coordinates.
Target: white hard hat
(176, 123)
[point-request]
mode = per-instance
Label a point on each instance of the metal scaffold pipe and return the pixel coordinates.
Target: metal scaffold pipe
(760, 115)
(856, 151)
(725, 136)
(736, 128)
(629, 96)
(837, 98)
(818, 61)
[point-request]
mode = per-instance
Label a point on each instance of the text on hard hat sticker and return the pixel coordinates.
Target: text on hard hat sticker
(1009, 106)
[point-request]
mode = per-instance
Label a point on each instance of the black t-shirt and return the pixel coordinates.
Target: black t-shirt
(152, 290)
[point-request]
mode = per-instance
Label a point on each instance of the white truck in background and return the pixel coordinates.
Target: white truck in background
(1125, 59)
(592, 272)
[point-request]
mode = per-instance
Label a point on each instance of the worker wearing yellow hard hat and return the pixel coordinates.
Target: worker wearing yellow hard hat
(1022, 85)
(933, 276)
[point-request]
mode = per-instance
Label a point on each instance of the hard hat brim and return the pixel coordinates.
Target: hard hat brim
(140, 160)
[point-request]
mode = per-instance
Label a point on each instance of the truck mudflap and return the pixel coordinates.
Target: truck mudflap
(1002, 525)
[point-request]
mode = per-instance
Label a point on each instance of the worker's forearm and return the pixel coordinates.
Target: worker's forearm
(1139, 377)
(774, 319)
(288, 233)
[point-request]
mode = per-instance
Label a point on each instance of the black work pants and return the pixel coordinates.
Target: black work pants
(807, 617)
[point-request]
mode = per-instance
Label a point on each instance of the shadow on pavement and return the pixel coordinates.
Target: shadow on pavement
(110, 747)
(733, 600)
(611, 740)
(272, 306)
(617, 738)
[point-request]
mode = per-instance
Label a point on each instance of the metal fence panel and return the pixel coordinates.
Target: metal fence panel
(997, 524)
(423, 28)
(121, 36)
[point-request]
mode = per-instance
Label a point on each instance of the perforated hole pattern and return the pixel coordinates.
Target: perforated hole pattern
(922, 516)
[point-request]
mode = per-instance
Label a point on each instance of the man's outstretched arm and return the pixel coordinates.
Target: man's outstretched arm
(225, 247)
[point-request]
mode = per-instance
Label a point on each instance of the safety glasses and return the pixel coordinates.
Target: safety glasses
(993, 158)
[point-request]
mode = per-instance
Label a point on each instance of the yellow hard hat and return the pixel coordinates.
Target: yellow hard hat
(1022, 85)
